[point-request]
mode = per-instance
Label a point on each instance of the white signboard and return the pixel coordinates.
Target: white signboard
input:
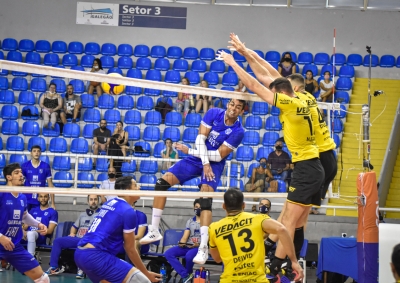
(104, 14)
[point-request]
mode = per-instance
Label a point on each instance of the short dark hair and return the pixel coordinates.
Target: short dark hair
(327, 72)
(8, 169)
(70, 85)
(92, 195)
(120, 122)
(196, 201)
(36, 146)
(396, 258)
(50, 84)
(167, 139)
(233, 199)
(242, 101)
(123, 183)
(297, 79)
(283, 57)
(310, 72)
(263, 158)
(281, 85)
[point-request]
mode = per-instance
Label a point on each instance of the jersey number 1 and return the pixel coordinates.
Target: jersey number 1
(247, 239)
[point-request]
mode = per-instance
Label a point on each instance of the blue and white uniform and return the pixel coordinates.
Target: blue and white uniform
(35, 177)
(12, 211)
(106, 234)
(46, 216)
(220, 134)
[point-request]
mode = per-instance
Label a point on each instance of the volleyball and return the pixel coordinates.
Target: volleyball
(113, 88)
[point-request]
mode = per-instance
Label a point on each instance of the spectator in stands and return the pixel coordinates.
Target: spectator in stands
(185, 101)
(187, 246)
(395, 264)
(264, 206)
(101, 139)
(98, 69)
(109, 184)
(46, 215)
(118, 144)
(202, 100)
(286, 66)
(279, 161)
(260, 180)
(311, 85)
(50, 102)
(242, 88)
(168, 152)
(78, 230)
(72, 106)
(326, 86)
(37, 173)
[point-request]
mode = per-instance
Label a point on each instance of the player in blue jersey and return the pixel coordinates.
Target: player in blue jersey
(113, 227)
(13, 214)
(36, 174)
(44, 214)
(220, 133)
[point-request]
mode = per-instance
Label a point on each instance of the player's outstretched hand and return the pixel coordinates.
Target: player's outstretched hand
(300, 273)
(228, 58)
(208, 173)
(182, 147)
(42, 229)
(154, 277)
(7, 243)
(237, 44)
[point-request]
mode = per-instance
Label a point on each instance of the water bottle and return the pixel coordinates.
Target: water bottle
(163, 273)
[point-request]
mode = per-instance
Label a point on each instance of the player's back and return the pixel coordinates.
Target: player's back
(240, 243)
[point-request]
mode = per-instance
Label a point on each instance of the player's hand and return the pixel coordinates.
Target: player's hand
(237, 44)
(154, 277)
(71, 235)
(182, 147)
(228, 58)
(300, 273)
(42, 229)
(7, 243)
(208, 174)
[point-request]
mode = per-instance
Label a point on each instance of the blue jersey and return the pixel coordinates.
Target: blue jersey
(141, 221)
(12, 210)
(35, 177)
(46, 216)
(115, 218)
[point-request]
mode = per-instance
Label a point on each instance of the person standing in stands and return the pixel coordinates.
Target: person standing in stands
(98, 69)
(72, 106)
(286, 66)
(101, 139)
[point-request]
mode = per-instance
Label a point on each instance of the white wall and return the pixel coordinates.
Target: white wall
(261, 28)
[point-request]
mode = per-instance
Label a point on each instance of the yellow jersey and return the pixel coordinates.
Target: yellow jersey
(322, 135)
(240, 242)
(297, 126)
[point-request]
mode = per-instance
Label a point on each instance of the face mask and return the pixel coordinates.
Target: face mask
(197, 211)
(111, 175)
(95, 67)
(263, 165)
(287, 59)
(278, 147)
(103, 127)
(263, 209)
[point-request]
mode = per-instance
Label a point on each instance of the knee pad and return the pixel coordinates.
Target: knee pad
(298, 240)
(162, 185)
(206, 204)
(43, 279)
(138, 277)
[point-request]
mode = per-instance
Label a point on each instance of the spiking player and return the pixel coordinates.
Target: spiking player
(13, 214)
(220, 133)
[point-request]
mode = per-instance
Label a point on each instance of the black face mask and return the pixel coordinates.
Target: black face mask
(278, 147)
(111, 175)
(263, 165)
(287, 59)
(197, 211)
(263, 209)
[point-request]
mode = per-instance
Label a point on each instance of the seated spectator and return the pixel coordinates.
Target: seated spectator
(326, 86)
(72, 106)
(279, 161)
(260, 180)
(264, 206)
(311, 85)
(44, 214)
(187, 246)
(185, 101)
(395, 263)
(50, 102)
(98, 69)
(109, 184)
(118, 143)
(101, 139)
(168, 152)
(78, 230)
(202, 100)
(286, 66)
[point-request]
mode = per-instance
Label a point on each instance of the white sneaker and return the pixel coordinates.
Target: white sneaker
(202, 255)
(153, 235)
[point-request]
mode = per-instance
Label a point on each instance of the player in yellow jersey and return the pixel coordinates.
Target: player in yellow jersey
(238, 241)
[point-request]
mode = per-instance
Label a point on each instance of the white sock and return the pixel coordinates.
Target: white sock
(156, 217)
(204, 236)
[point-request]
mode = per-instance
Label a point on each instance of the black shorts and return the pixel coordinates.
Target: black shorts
(307, 179)
(329, 163)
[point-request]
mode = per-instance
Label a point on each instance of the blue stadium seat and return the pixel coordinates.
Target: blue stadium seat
(337, 126)
(172, 133)
(14, 56)
(78, 85)
(15, 143)
(235, 170)
(58, 145)
(62, 163)
(59, 46)
(238, 57)
(38, 85)
(172, 76)
(398, 62)
(253, 123)
(147, 179)
(190, 53)
(133, 90)
(125, 62)
(251, 138)
(10, 44)
(153, 75)
(180, 65)
(141, 50)
(60, 85)
(106, 102)
(273, 124)
(275, 111)
(87, 100)
(273, 56)
(193, 77)
(259, 52)
(125, 50)
(20, 84)
(341, 113)
(143, 63)
(112, 116)
(7, 96)
(207, 54)
(134, 73)
(374, 63)
(18, 158)
(230, 69)
(212, 78)
(354, 60)
(174, 52)
(3, 83)
(91, 116)
(128, 167)
(281, 186)
(329, 68)
(158, 148)
(230, 79)
(92, 48)
(346, 71)
(235, 183)
(2, 163)
(310, 67)
(42, 46)
(190, 135)
(244, 153)
(167, 93)
(71, 130)
(336, 139)
(151, 133)
(321, 59)
(83, 179)
(173, 119)
(87, 61)
(158, 51)
(217, 66)
(37, 141)
(199, 66)
(344, 84)
(152, 92)
(78, 68)
(10, 127)
(31, 129)
(191, 182)
(133, 132)
(79, 145)
(145, 103)
(305, 58)
(88, 130)
(108, 49)
(107, 61)
(101, 177)
(259, 108)
(85, 164)
(270, 138)
(193, 120)
(9, 112)
(26, 98)
(387, 61)
(340, 59)
(162, 64)
(33, 58)
(115, 70)
(263, 152)
(62, 176)
(153, 118)
(146, 147)
(102, 165)
(125, 102)
(132, 117)
(75, 47)
(148, 167)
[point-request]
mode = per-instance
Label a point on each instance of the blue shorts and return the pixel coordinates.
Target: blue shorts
(19, 258)
(101, 265)
(191, 167)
